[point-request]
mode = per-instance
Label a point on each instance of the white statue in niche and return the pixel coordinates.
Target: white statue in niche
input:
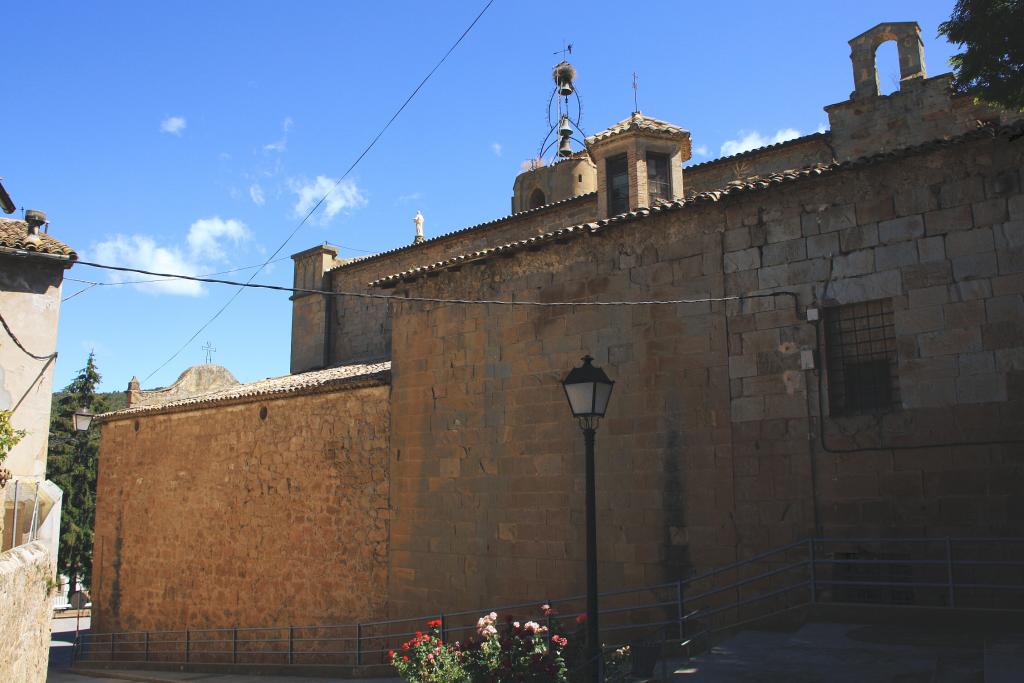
(418, 220)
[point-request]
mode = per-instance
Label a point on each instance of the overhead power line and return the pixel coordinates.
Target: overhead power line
(316, 206)
(424, 299)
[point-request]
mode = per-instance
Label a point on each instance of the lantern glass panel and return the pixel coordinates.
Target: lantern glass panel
(581, 397)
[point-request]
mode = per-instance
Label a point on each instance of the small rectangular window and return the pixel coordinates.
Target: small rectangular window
(617, 170)
(861, 358)
(659, 180)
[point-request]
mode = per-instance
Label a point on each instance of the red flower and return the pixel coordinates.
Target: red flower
(581, 618)
(434, 623)
(405, 658)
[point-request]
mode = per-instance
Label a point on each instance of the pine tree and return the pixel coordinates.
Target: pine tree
(991, 68)
(72, 461)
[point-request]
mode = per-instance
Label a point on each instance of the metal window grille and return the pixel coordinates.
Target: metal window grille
(861, 352)
(659, 181)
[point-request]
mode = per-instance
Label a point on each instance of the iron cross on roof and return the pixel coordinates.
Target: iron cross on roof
(209, 348)
(565, 51)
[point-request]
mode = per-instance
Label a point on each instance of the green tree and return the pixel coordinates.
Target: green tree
(9, 438)
(991, 68)
(72, 461)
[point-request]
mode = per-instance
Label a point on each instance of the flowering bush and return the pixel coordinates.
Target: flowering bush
(513, 652)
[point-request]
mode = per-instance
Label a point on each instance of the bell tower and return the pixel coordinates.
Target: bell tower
(568, 173)
(639, 163)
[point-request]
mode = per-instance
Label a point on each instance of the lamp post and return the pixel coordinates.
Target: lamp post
(588, 389)
(81, 419)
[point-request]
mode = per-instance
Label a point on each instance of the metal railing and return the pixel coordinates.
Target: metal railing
(977, 573)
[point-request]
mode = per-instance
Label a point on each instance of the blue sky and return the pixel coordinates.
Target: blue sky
(191, 137)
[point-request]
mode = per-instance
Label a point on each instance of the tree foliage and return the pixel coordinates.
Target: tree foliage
(991, 68)
(9, 438)
(72, 462)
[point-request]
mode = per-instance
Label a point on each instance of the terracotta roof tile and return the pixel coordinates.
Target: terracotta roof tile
(314, 382)
(14, 235)
(740, 187)
(638, 122)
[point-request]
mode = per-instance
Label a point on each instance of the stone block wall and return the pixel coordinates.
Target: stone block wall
(361, 328)
(226, 515)
(26, 573)
(921, 111)
(939, 236)
(713, 446)
(487, 464)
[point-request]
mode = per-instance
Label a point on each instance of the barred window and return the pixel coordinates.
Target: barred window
(861, 352)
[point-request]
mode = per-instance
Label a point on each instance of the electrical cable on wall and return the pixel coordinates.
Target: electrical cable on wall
(17, 342)
(316, 206)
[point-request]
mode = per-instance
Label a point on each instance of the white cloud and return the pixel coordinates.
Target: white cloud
(821, 128)
(205, 237)
(142, 251)
(496, 148)
(175, 125)
(749, 140)
(256, 194)
(701, 150)
(346, 195)
(411, 197)
(279, 146)
(204, 243)
(287, 124)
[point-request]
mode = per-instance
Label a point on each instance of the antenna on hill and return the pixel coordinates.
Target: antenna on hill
(209, 348)
(636, 86)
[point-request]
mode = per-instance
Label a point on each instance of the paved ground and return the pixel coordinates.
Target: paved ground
(846, 653)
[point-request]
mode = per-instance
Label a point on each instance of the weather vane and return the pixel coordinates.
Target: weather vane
(565, 51)
(209, 348)
(636, 86)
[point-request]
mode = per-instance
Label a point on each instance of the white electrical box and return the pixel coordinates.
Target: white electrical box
(812, 313)
(806, 359)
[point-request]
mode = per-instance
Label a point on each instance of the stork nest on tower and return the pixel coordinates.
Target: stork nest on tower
(564, 72)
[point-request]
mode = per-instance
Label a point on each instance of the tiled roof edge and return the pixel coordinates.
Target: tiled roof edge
(460, 231)
(211, 400)
(710, 196)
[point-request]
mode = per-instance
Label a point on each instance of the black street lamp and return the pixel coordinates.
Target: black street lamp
(81, 419)
(588, 389)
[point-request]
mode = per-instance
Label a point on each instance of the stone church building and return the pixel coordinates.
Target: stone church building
(845, 358)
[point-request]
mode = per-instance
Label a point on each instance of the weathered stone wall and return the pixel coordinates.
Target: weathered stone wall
(25, 576)
(942, 236)
(488, 489)
(30, 302)
(716, 174)
(217, 517)
(711, 448)
(922, 110)
(361, 328)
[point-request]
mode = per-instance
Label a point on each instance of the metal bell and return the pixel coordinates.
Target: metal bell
(564, 128)
(565, 147)
(565, 88)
